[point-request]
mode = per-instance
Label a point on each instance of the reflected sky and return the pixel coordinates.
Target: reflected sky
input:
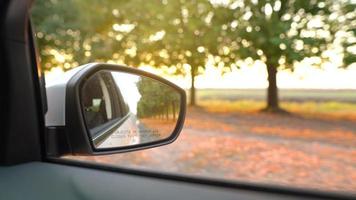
(130, 92)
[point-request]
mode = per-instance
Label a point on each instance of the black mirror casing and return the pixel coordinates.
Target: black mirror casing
(76, 130)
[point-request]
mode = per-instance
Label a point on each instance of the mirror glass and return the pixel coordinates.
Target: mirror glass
(122, 109)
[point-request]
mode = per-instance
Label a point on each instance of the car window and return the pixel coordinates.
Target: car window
(97, 106)
(102, 102)
(271, 84)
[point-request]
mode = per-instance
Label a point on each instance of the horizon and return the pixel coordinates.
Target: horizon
(254, 76)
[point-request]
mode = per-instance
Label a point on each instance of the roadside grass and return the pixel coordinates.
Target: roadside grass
(330, 110)
(226, 106)
(296, 95)
(308, 103)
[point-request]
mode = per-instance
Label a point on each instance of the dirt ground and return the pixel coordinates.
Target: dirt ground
(285, 150)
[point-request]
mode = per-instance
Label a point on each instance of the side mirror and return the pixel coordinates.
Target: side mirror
(111, 109)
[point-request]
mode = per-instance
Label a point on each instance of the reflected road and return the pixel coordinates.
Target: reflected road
(131, 132)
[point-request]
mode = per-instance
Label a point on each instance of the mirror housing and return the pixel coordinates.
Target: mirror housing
(67, 132)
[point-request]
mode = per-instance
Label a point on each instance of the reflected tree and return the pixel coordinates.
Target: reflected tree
(157, 100)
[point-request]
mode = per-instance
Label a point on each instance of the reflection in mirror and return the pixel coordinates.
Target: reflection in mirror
(122, 109)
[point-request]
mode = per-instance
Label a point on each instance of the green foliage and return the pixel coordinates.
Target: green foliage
(279, 33)
(74, 32)
(85, 31)
(175, 34)
(182, 33)
(348, 24)
(157, 100)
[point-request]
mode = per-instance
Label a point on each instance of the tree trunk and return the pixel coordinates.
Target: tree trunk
(167, 112)
(174, 111)
(192, 88)
(272, 91)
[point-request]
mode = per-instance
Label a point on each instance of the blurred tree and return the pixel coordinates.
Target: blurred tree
(345, 21)
(167, 33)
(74, 32)
(171, 33)
(276, 32)
(181, 35)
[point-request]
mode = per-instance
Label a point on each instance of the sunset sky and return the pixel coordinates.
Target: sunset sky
(255, 76)
(303, 77)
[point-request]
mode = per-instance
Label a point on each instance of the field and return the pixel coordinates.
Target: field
(320, 104)
(295, 95)
(227, 137)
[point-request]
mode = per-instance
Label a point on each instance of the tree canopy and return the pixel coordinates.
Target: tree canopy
(182, 35)
(174, 34)
(280, 33)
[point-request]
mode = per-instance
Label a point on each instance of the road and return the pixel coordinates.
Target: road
(272, 149)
